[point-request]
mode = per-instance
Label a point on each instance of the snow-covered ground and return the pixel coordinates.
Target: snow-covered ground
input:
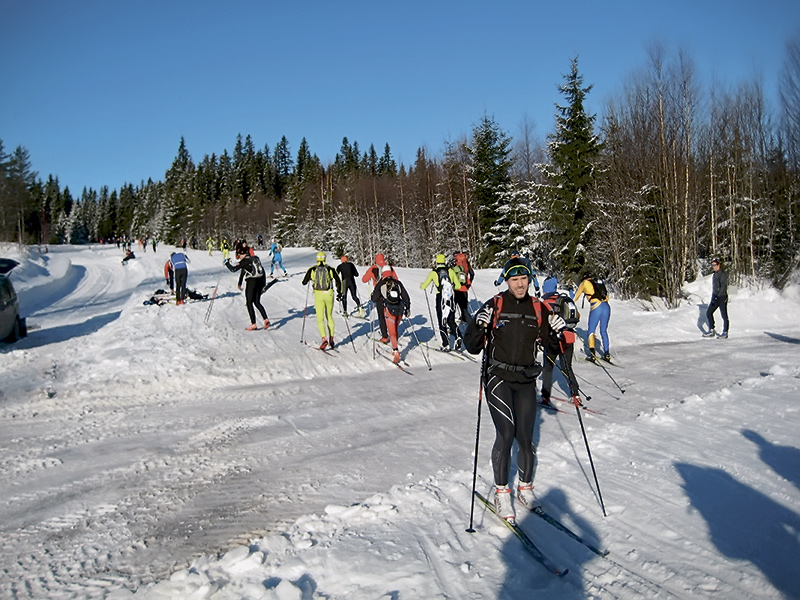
(164, 452)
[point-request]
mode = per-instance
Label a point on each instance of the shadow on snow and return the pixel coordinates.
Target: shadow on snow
(745, 524)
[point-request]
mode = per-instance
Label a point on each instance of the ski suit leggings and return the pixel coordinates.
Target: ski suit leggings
(513, 409)
(462, 301)
(181, 275)
(392, 324)
(323, 305)
(254, 286)
(277, 259)
(565, 364)
(349, 285)
(447, 319)
(380, 309)
(600, 315)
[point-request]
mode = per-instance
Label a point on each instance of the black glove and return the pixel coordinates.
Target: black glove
(338, 297)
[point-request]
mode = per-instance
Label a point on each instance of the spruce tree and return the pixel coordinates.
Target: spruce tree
(490, 177)
(573, 150)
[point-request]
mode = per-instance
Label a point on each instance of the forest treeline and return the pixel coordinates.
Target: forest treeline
(671, 174)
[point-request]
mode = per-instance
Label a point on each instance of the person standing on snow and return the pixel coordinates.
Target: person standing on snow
(169, 275)
(719, 300)
(462, 276)
(179, 266)
(348, 273)
(252, 272)
(562, 347)
(445, 303)
(275, 251)
(323, 277)
(371, 277)
(507, 328)
(599, 313)
(396, 303)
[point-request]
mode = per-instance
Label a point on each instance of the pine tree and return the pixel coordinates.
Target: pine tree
(490, 177)
(573, 150)
(179, 196)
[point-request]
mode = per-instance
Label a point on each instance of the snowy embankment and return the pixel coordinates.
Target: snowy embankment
(163, 452)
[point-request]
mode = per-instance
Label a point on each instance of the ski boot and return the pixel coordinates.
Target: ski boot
(503, 503)
(526, 497)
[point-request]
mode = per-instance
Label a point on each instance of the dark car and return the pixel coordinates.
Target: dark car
(12, 327)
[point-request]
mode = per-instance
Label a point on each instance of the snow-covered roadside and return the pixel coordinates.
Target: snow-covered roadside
(141, 442)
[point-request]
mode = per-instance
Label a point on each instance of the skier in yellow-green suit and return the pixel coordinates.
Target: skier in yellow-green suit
(323, 277)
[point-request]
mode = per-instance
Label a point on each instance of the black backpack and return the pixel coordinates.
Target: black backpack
(565, 308)
(444, 275)
(392, 293)
(256, 269)
(600, 290)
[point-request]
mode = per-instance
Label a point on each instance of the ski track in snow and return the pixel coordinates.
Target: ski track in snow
(147, 454)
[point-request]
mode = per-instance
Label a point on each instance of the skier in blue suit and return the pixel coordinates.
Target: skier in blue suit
(275, 251)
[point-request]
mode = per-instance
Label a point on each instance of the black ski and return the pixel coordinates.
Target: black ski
(587, 409)
(549, 406)
(396, 364)
(597, 361)
(327, 351)
(532, 548)
(454, 353)
(561, 527)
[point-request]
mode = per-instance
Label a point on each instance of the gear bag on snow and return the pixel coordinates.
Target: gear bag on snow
(322, 278)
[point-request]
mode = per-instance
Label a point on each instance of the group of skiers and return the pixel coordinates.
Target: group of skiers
(509, 329)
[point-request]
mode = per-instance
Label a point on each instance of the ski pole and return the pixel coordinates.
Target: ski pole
(572, 381)
(611, 377)
(430, 313)
(211, 302)
(305, 311)
(414, 331)
(602, 366)
(471, 529)
(576, 401)
(347, 324)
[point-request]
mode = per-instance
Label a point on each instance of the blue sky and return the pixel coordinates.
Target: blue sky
(100, 92)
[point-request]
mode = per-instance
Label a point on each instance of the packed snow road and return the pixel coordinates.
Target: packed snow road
(139, 439)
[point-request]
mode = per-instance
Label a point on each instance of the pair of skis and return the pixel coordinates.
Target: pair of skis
(530, 546)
